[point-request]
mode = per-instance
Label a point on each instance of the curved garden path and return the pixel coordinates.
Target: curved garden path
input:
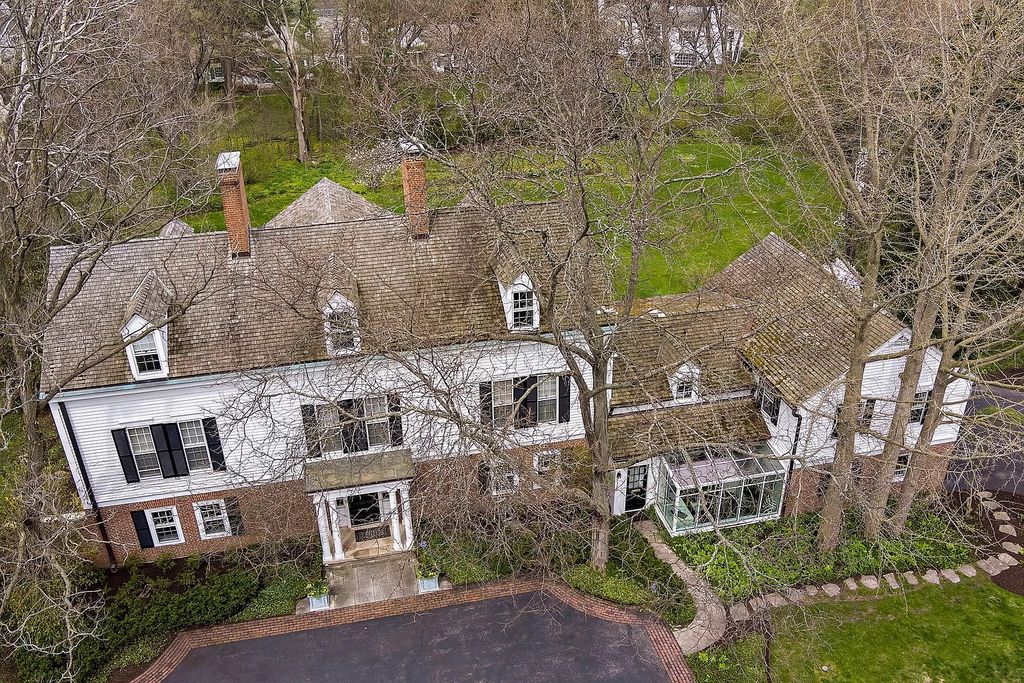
(709, 625)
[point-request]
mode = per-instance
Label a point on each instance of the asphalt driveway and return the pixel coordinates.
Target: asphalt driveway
(1003, 473)
(527, 637)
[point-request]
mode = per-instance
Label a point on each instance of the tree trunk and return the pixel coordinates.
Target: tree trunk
(603, 472)
(922, 327)
(227, 65)
(298, 105)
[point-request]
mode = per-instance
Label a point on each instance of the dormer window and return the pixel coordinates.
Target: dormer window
(685, 384)
(341, 326)
(523, 317)
(147, 355)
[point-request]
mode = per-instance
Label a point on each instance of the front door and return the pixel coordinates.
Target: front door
(636, 488)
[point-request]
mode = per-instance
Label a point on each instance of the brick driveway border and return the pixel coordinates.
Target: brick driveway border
(663, 641)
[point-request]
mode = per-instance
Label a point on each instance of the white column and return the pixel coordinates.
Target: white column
(339, 551)
(323, 525)
(406, 515)
(396, 529)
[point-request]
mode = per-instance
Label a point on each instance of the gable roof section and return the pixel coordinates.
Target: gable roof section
(266, 310)
(704, 329)
(326, 202)
(804, 325)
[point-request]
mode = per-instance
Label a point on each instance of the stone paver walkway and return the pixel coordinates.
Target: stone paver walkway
(708, 627)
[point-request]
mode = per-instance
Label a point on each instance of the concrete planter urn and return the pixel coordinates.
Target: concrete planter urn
(428, 584)
(318, 595)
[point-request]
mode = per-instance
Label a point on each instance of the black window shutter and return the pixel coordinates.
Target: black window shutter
(213, 442)
(484, 474)
(353, 429)
(234, 516)
(524, 393)
(141, 524)
(124, 454)
(395, 419)
(310, 431)
(177, 449)
(163, 451)
(486, 414)
(564, 407)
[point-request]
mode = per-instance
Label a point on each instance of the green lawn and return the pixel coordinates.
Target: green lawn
(705, 224)
(967, 632)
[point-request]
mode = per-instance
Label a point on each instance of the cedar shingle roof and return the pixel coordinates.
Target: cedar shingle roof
(637, 436)
(266, 310)
(704, 329)
(326, 202)
(804, 325)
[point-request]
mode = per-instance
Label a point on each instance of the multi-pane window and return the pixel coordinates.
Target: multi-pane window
(686, 388)
(212, 518)
(865, 412)
(144, 451)
(193, 439)
(920, 408)
(545, 462)
(902, 465)
(165, 528)
(502, 400)
(770, 404)
(147, 357)
(377, 427)
(501, 478)
(523, 309)
(547, 399)
(341, 333)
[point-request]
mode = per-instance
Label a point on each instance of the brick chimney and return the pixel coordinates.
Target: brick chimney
(414, 183)
(236, 206)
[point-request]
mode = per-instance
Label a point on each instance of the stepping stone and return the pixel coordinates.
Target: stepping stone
(812, 591)
(1008, 530)
(991, 566)
(984, 494)
(932, 576)
(950, 575)
(1001, 516)
(794, 595)
(850, 584)
(990, 505)
(1011, 547)
(739, 612)
(831, 590)
(757, 604)
(891, 580)
(968, 570)
(1008, 560)
(910, 577)
(870, 582)
(775, 600)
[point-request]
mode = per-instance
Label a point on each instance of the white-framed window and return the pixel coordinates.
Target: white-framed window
(920, 408)
(146, 353)
(546, 462)
(341, 326)
(212, 519)
(684, 383)
(501, 479)
(165, 526)
(502, 400)
(193, 439)
(866, 412)
(547, 399)
(523, 309)
(147, 464)
(378, 430)
(770, 405)
(902, 465)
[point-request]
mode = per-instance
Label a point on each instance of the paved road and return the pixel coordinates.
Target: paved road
(522, 638)
(1004, 473)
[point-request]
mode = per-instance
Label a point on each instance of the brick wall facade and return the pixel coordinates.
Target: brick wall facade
(269, 512)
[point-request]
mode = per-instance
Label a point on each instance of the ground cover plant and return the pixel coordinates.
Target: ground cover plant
(742, 661)
(767, 556)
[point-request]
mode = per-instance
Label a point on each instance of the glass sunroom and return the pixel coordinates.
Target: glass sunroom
(719, 487)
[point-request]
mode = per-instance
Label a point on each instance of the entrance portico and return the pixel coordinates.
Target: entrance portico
(362, 504)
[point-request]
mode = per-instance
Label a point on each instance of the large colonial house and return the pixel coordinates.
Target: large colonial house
(308, 376)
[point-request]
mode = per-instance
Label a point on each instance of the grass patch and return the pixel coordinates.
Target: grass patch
(738, 662)
(964, 632)
(771, 555)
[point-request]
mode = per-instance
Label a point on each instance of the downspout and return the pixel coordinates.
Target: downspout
(796, 440)
(88, 485)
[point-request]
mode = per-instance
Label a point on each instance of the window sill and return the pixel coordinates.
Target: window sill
(168, 543)
(211, 537)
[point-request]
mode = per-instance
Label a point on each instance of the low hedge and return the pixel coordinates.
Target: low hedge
(770, 555)
(618, 589)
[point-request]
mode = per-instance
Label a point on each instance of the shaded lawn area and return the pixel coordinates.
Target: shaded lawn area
(965, 632)
(707, 223)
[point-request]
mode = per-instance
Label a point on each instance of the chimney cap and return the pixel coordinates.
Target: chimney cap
(228, 161)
